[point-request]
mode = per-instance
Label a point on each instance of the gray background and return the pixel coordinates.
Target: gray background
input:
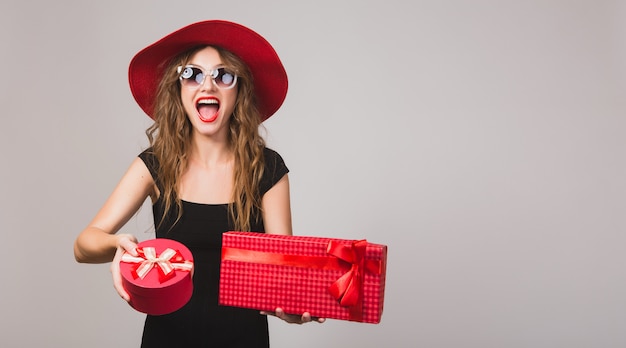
(482, 141)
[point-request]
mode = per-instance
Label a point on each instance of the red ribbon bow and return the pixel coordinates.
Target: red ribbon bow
(349, 287)
(169, 261)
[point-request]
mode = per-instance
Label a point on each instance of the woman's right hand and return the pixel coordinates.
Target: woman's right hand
(125, 243)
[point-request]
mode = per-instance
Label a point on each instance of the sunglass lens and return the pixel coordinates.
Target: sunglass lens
(192, 76)
(224, 78)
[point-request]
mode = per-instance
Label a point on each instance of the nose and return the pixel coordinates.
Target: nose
(207, 84)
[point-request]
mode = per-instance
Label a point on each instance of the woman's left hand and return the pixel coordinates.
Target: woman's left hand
(294, 319)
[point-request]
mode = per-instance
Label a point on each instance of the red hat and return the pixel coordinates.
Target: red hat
(270, 77)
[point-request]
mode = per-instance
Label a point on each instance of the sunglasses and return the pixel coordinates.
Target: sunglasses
(193, 76)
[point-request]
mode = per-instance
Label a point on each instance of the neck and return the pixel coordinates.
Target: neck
(210, 152)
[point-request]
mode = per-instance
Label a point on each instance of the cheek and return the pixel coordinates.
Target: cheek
(187, 102)
(232, 100)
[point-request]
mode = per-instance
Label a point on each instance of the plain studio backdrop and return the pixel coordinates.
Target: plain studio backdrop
(482, 141)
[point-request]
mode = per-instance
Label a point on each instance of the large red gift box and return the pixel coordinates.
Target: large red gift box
(329, 278)
(159, 279)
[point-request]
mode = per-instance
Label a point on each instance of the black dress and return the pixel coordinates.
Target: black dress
(202, 322)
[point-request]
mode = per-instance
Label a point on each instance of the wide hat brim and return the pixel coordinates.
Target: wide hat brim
(270, 78)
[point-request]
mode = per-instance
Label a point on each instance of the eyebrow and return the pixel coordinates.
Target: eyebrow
(220, 65)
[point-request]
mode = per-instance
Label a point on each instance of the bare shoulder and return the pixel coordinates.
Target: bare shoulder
(277, 208)
(139, 175)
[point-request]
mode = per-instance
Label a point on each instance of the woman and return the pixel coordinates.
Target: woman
(208, 87)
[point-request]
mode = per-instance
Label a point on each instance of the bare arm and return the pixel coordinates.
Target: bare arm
(98, 242)
(277, 208)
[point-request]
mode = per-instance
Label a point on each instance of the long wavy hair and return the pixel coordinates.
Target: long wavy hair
(170, 139)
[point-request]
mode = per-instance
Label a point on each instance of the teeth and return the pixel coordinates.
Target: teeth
(208, 101)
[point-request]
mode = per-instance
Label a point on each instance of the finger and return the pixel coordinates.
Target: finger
(128, 243)
(292, 319)
(117, 275)
(306, 317)
(279, 313)
(120, 290)
(119, 287)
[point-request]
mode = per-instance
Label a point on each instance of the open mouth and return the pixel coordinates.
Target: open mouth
(208, 109)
